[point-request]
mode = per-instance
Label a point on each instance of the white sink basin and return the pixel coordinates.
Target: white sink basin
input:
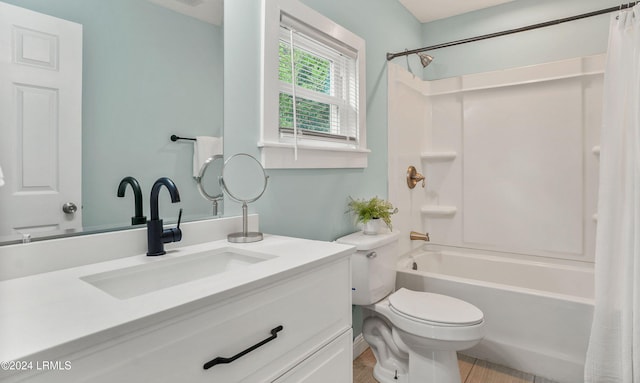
(165, 271)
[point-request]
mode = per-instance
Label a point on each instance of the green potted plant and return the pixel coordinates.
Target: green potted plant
(370, 212)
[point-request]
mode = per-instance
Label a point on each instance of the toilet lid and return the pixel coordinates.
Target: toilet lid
(436, 308)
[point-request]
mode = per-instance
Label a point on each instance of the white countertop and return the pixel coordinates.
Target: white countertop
(44, 311)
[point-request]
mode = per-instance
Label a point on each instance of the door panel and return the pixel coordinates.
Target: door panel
(40, 122)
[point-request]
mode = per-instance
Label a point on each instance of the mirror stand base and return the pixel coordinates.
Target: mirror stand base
(248, 237)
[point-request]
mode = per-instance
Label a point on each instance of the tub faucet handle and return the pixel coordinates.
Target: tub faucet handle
(415, 236)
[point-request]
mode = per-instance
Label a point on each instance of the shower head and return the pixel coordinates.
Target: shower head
(425, 59)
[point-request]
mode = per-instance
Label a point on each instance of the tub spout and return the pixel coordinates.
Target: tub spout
(415, 236)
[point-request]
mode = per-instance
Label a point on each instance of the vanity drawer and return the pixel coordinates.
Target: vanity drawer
(312, 309)
(333, 363)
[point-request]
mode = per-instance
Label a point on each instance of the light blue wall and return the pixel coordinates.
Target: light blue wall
(573, 39)
(147, 73)
(312, 203)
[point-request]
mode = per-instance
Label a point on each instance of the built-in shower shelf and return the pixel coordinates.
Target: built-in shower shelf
(596, 150)
(438, 156)
(439, 210)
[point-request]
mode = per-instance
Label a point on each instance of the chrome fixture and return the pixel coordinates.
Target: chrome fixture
(138, 218)
(391, 56)
(213, 195)
(425, 59)
(413, 177)
(245, 176)
(157, 236)
(415, 236)
(69, 208)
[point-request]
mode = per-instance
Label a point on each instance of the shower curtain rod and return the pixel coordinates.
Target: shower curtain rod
(391, 56)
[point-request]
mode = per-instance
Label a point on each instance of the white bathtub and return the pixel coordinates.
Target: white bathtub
(538, 315)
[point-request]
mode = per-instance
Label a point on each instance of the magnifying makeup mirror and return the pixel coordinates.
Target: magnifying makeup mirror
(207, 181)
(243, 180)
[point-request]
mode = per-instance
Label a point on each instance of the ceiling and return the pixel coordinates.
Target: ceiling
(429, 10)
(209, 11)
(424, 10)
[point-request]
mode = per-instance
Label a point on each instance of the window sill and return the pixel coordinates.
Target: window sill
(277, 155)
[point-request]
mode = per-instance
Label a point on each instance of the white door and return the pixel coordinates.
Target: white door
(40, 123)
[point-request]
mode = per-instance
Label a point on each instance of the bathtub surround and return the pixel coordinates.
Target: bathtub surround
(486, 144)
(615, 338)
(507, 129)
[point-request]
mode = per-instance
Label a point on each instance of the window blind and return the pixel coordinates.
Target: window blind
(319, 77)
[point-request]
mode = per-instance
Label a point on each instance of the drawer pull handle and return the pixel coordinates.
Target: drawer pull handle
(222, 360)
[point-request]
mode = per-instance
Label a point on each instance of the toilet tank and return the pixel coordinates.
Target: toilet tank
(373, 265)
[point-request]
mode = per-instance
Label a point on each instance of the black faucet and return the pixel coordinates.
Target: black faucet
(156, 235)
(138, 219)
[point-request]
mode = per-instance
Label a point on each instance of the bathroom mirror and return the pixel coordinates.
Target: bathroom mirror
(243, 180)
(148, 71)
(208, 182)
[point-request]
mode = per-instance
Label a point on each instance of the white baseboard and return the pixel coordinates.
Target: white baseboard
(359, 346)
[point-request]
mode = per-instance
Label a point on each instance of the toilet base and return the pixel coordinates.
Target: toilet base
(384, 375)
(392, 363)
(434, 367)
(404, 358)
(439, 367)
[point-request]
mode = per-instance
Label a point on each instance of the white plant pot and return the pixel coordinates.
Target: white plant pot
(372, 227)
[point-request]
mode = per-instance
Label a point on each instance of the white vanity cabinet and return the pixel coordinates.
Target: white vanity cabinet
(313, 307)
(330, 364)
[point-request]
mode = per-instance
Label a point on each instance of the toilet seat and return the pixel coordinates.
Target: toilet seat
(426, 322)
(434, 309)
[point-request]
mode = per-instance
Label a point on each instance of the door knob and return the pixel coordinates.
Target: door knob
(69, 208)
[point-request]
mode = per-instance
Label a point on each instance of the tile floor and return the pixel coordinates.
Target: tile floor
(472, 370)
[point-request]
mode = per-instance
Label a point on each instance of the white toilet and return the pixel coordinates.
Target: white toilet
(413, 335)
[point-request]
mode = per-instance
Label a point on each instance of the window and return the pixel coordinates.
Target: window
(325, 92)
(323, 76)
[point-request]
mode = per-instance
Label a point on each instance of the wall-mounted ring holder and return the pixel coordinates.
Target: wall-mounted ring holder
(243, 180)
(413, 177)
(211, 190)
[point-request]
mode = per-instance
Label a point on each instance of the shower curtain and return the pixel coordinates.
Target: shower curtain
(614, 346)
